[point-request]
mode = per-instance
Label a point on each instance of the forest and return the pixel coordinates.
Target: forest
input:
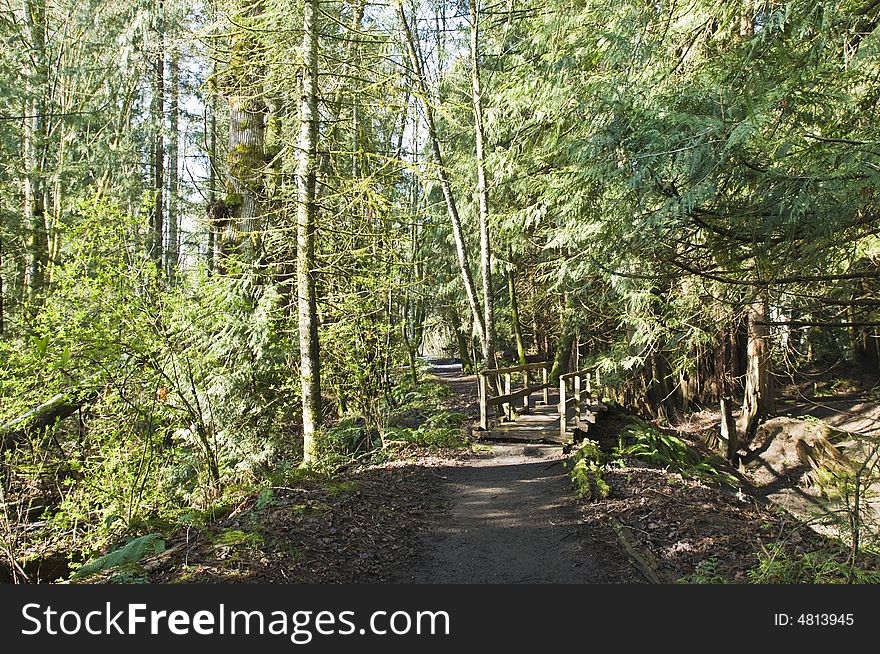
(238, 238)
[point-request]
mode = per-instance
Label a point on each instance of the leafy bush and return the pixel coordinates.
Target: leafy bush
(587, 472)
(434, 433)
(345, 443)
(193, 385)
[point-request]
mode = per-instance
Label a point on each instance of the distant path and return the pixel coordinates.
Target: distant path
(514, 519)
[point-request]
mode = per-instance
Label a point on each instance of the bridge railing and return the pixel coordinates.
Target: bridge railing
(500, 381)
(575, 390)
(582, 383)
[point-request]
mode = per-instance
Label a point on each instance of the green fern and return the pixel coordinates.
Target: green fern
(672, 452)
(132, 552)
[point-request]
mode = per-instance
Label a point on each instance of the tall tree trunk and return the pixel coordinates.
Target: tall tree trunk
(659, 394)
(172, 250)
(562, 356)
(514, 317)
(563, 353)
(212, 180)
(728, 431)
(35, 144)
(2, 311)
(247, 135)
(158, 110)
(413, 51)
(482, 192)
(52, 224)
(759, 401)
(245, 167)
(306, 172)
(462, 342)
(357, 16)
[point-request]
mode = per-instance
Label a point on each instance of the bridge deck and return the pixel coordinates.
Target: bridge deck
(542, 425)
(541, 422)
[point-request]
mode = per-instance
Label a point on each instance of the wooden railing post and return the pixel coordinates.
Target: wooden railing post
(508, 406)
(563, 422)
(484, 398)
(526, 404)
(545, 380)
(577, 400)
(589, 386)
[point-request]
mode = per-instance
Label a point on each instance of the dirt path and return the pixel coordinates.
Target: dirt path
(513, 518)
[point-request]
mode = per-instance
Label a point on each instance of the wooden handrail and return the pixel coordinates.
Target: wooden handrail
(579, 373)
(581, 382)
(506, 399)
(498, 400)
(510, 369)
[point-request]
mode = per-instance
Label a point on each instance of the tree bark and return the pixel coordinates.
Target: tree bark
(2, 309)
(759, 401)
(563, 354)
(463, 354)
(482, 192)
(412, 47)
(245, 160)
(35, 144)
(728, 430)
(212, 180)
(158, 110)
(306, 175)
(247, 133)
(514, 317)
(172, 250)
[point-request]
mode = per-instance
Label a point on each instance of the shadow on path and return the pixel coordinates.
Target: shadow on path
(514, 519)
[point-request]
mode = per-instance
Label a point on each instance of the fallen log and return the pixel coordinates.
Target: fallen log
(57, 408)
(643, 559)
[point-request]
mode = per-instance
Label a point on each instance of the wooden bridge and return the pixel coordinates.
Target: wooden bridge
(559, 413)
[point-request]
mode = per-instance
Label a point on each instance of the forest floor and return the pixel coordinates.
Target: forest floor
(835, 402)
(484, 514)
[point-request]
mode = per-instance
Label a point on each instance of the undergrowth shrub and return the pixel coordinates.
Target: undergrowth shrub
(587, 472)
(829, 565)
(650, 444)
(441, 430)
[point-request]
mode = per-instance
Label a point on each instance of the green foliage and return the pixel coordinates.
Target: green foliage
(425, 396)
(352, 441)
(706, 572)
(587, 472)
(238, 538)
(650, 168)
(668, 451)
(196, 391)
(589, 481)
(440, 430)
(131, 552)
(826, 566)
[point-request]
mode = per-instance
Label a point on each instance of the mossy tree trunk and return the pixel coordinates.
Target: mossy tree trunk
(157, 223)
(306, 175)
(514, 316)
(35, 144)
(172, 253)
(247, 134)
